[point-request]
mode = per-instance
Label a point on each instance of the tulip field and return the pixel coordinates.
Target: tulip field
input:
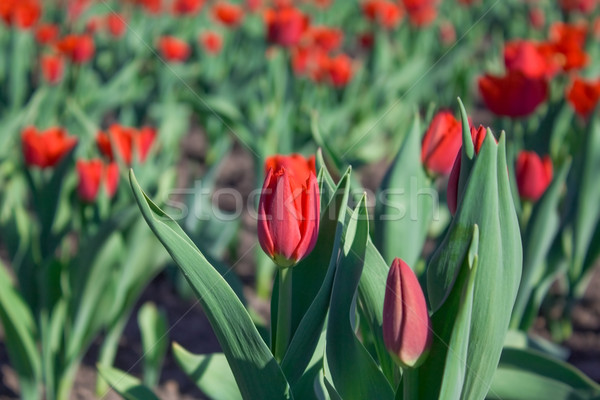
(300, 199)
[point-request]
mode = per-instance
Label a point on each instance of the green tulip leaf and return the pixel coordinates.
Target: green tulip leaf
(130, 387)
(257, 373)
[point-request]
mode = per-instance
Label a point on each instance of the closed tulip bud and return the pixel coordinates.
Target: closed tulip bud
(289, 209)
(478, 136)
(211, 42)
(230, 15)
(45, 149)
(53, 68)
(117, 26)
(441, 143)
(174, 49)
(406, 324)
(533, 175)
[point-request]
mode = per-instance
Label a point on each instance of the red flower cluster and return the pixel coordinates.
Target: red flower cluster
(78, 48)
(533, 175)
(23, 14)
(92, 174)
(127, 142)
(383, 12)
(46, 148)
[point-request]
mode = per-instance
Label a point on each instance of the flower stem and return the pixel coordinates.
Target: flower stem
(284, 313)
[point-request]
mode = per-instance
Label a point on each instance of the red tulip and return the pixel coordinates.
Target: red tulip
(117, 26)
(513, 95)
(22, 14)
(384, 12)
(310, 61)
(477, 136)
(45, 149)
(211, 42)
(441, 143)
(126, 141)
(339, 70)
(47, 33)
(53, 68)
(228, 14)
(173, 49)
(534, 175)
(91, 174)
(584, 96)
(151, 6)
(79, 48)
(326, 38)
(407, 332)
(420, 12)
(568, 42)
(537, 18)
(530, 59)
(187, 7)
(289, 209)
(447, 33)
(285, 26)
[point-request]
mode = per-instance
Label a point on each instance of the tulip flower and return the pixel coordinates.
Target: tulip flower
(339, 70)
(53, 68)
(46, 33)
(79, 48)
(285, 26)
(117, 25)
(584, 95)
(126, 140)
(568, 43)
(325, 38)
(513, 95)
(45, 149)
(173, 49)
(406, 325)
(386, 13)
(289, 209)
(582, 6)
(22, 14)
(420, 12)
(228, 14)
(91, 174)
(530, 59)
(211, 42)
(441, 143)
(187, 7)
(534, 175)
(478, 136)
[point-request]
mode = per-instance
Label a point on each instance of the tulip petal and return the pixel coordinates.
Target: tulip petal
(284, 217)
(310, 218)
(264, 235)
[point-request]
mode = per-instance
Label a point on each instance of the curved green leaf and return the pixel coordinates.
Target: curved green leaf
(257, 373)
(130, 387)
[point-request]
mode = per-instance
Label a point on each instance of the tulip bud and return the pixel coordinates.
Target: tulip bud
(478, 136)
(533, 175)
(441, 143)
(289, 209)
(406, 324)
(53, 68)
(173, 49)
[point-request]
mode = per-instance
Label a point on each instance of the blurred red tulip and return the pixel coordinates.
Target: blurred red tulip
(582, 6)
(530, 59)
(447, 33)
(173, 49)
(94, 24)
(537, 18)
(289, 209)
(46, 148)
(228, 14)
(211, 42)
(568, 42)
(384, 12)
(285, 26)
(47, 33)
(310, 61)
(533, 174)
(91, 174)
(117, 25)
(187, 7)
(151, 6)
(407, 331)
(420, 12)
(53, 68)
(75, 8)
(339, 70)
(126, 141)
(26, 13)
(366, 40)
(584, 95)
(326, 38)
(513, 95)
(254, 5)
(441, 143)
(78, 48)
(477, 136)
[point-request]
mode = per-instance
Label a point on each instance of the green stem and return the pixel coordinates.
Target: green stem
(284, 313)
(108, 352)
(411, 384)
